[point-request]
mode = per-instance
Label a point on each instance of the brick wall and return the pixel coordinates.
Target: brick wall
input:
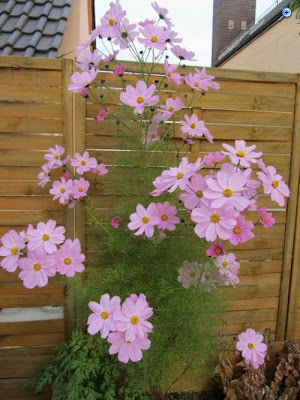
(233, 10)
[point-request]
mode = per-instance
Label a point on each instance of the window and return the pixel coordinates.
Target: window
(230, 24)
(243, 25)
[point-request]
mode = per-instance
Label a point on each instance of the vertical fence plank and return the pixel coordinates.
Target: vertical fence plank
(295, 276)
(68, 143)
(290, 227)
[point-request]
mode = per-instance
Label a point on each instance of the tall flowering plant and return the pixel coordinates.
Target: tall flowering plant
(166, 259)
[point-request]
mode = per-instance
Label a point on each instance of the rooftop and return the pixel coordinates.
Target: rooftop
(32, 28)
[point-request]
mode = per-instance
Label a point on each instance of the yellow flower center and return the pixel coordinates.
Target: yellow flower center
(227, 192)
(145, 220)
(171, 108)
(275, 184)
(199, 193)
(154, 39)
(250, 346)
(240, 153)
(169, 74)
(56, 156)
(111, 21)
(134, 320)
(225, 264)
(62, 190)
(164, 217)
(45, 173)
(104, 315)
(37, 267)
(214, 218)
(128, 342)
(80, 189)
(98, 171)
(237, 230)
(140, 100)
(179, 175)
(218, 250)
(45, 237)
(196, 84)
(83, 162)
(263, 218)
(67, 261)
(193, 125)
(192, 274)
(214, 160)
(25, 240)
(14, 250)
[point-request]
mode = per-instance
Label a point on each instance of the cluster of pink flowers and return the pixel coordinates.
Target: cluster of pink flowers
(125, 326)
(252, 348)
(116, 28)
(69, 191)
(145, 219)
(198, 275)
(219, 201)
(43, 258)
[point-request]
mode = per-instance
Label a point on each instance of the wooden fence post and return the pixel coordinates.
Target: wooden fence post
(295, 276)
(290, 243)
(68, 143)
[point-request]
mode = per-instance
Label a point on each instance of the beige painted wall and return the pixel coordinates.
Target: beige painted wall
(77, 28)
(277, 49)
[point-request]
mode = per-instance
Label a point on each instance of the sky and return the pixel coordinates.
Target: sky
(193, 22)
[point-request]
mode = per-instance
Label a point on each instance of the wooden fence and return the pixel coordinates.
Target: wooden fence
(37, 111)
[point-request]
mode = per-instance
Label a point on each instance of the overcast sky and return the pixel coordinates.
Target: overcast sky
(193, 21)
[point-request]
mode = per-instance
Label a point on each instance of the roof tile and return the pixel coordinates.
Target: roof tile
(32, 27)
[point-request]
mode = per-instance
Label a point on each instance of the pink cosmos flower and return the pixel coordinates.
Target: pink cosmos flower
(154, 36)
(241, 233)
(152, 135)
(119, 70)
(182, 53)
(172, 38)
(23, 234)
(252, 348)
(62, 190)
(127, 349)
(186, 139)
(251, 184)
(127, 34)
(44, 176)
(115, 222)
(110, 23)
(162, 13)
(228, 269)
(241, 154)
(172, 105)
(227, 189)
(45, 237)
(132, 318)
(265, 218)
(89, 40)
(194, 127)
(100, 169)
(189, 274)
(68, 259)
(213, 158)
(102, 319)
(83, 163)
(171, 75)
(84, 93)
(82, 80)
(147, 22)
(66, 175)
(167, 214)
(216, 250)
(214, 222)
(192, 197)
(144, 220)
(111, 57)
(11, 250)
(207, 80)
(176, 177)
(54, 157)
(102, 115)
(273, 184)
(139, 97)
(37, 266)
(80, 188)
(88, 60)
